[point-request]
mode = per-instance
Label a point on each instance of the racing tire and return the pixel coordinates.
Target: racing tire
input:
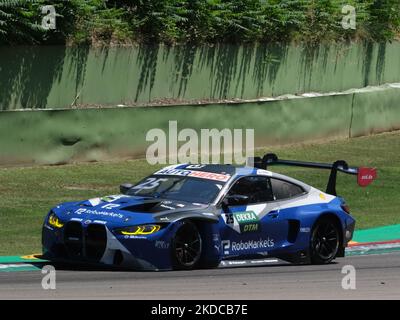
(325, 241)
(186, 247)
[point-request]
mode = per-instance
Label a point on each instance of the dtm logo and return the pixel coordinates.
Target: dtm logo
(248, 221)
(243, 221)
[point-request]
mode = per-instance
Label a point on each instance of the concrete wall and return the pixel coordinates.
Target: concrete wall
(60, 136)
(58, 77)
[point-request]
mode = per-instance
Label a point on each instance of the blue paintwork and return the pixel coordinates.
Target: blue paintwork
(155, 250)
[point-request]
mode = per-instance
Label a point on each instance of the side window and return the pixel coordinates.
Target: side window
(285, 190)
(258, 189)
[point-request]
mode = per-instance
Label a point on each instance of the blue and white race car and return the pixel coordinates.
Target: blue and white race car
(200, 216)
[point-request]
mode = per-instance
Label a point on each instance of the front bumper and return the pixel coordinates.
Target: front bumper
(96, 244)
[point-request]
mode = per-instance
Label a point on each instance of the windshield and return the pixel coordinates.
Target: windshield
(187, 189)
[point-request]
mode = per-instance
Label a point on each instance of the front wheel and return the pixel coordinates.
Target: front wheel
(325, 241)
(186, 246)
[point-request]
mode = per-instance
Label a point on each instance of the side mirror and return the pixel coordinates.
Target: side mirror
(235, 200)
(124, 188)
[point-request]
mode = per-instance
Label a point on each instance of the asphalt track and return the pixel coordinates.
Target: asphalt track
(377, 277)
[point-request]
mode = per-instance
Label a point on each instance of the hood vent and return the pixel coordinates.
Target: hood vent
(147, 207)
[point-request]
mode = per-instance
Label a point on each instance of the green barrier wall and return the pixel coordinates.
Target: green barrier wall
(60, 136)
(58, 77)
(375, 111)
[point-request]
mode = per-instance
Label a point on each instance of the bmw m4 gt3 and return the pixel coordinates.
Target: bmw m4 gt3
(199, 216)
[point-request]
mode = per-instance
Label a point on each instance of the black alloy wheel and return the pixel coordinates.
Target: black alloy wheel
(325, 241)
(186, 246)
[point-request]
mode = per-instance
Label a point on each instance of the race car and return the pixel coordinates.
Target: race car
(201, 216)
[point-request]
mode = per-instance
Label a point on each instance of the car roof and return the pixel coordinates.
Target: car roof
(236, 171)
(214, 168)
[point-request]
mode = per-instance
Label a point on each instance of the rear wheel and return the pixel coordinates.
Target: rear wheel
(325, 241)
(186, 246)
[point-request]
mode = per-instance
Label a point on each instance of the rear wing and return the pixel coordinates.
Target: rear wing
(365, 175)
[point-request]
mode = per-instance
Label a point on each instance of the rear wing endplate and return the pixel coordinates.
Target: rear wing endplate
(365, 175)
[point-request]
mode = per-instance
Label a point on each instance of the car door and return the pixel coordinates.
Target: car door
(255, 226)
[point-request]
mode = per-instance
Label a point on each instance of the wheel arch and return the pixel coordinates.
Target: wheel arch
(334, 217)
(211, 251)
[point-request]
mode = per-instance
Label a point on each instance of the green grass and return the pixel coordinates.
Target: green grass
(26, 194)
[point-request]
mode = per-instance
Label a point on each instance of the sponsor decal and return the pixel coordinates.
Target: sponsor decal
(226, 244)
(100, 222)
(262, 172)
(252, 244)
(234, 263)
(110, 206)
(100, 213)
(134, 237)
(194, 174)
(263, 261)
(161, 244)
(232, 246)
(167, 207)
(209, 175)
(113, 197)
(248, 262)
(217, 241)
(248, 221)
(195, 166)
(305, 230)
(107, 199)
(94, 202)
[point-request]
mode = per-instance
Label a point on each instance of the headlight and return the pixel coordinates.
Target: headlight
(139, 230)
(54, 221)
